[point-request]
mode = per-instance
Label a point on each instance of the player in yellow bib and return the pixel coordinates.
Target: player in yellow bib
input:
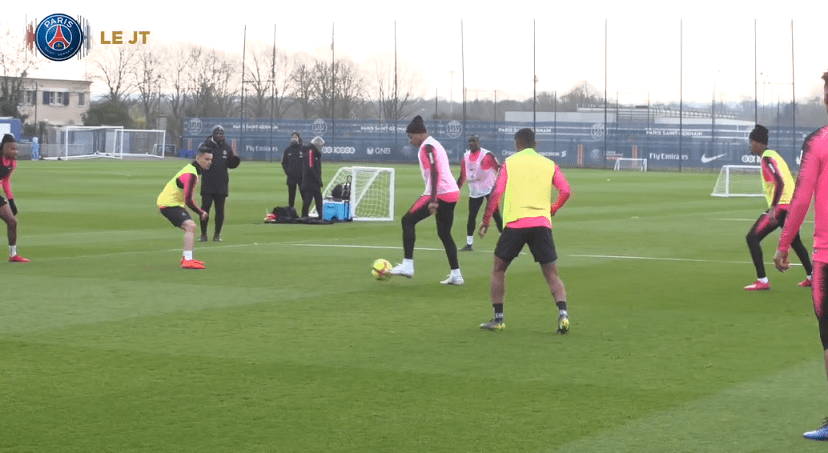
(177, 196)
(778, 185)
(525, 184)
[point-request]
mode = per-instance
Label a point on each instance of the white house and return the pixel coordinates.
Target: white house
(58, 102)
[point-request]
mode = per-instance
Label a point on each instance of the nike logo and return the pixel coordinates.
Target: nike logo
(706, 159)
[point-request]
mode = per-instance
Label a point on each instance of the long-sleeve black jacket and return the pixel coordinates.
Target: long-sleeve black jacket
(292, 163)
(311, 169)
(215, 180)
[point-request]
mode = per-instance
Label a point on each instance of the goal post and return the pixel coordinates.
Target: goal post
(739, 181)
(140, 143)
(372, 192)
(81, 142)
(628, 163)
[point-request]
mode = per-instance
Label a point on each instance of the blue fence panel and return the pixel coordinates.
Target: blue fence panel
(665, 145)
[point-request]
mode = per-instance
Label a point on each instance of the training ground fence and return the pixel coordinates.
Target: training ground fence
(666, 143)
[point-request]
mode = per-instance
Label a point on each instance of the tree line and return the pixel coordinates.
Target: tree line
(143, 83)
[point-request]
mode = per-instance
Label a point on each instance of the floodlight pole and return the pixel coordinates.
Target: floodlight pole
(681, 90)
(534, 79)
(272, 91)
(241, 113)
(793, 92)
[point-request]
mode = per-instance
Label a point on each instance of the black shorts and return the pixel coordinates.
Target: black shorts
(540, 242)
(176, 215)
(3, 202)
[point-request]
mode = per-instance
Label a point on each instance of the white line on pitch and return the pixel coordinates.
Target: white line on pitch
(751, 220)
(380, 247)
(649, 258)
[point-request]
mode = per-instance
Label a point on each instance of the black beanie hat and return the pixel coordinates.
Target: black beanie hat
(416, 126)
(759, 134)
(7, 138)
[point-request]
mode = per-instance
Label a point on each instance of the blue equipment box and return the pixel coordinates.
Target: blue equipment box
(336, 210)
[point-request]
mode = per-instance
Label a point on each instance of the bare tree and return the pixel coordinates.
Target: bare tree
(14, 65)
(178, 57)
(197, 82)
(227, 82)
(148, 81)
(269, 78)
(115, 67)
(213, 83)
(349, 88)
(322, 88)
(301, 86)
(342, 86)
(583, 94)
(397, 90)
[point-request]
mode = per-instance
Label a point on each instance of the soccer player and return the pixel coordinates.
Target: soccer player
(525, 183)
(177, 194)
(311, 187)
(479, 167)
(779, 188)
(8, 209)
(812, 182)
(215, 180)
(440, 198)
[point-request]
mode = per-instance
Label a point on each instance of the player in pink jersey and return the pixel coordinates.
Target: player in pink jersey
(440, 198)
(812, 183)
(8, 209)
(479, 167)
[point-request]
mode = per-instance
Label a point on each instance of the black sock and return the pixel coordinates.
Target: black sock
(498, 309)
(561, 306)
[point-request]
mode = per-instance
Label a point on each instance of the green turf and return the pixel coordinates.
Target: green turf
(286, 344)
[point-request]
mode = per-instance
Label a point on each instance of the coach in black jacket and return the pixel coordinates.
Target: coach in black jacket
(292, 165)
(312, 176)
(215, 180)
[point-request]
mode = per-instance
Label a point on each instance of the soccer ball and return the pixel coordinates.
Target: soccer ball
(381, 269)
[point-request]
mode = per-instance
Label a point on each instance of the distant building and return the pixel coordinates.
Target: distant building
(640, 114)
(58, 102)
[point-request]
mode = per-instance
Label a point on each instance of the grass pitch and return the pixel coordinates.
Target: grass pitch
(285, 343)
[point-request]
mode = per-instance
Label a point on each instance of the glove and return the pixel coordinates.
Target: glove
(13, 206)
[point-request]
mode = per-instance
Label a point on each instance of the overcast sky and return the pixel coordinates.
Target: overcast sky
(645, 48)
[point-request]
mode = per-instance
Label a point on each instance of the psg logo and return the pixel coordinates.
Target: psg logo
(59, 37)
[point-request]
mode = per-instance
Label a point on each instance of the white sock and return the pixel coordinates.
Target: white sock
(563, 313)
(809, 276)
(455, 273)
(408, 264)
(763, 279)
(12, 250)
(469, 240)
(188, 255)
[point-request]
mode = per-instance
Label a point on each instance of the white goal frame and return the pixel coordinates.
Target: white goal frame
(67, 151)
(157, 150)
(633, 160)
(723, 187)
(359, 190)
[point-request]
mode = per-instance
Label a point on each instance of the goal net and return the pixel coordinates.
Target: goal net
(627, 163)
(80, 142)
(139, 143)
(372, 191)
(739, 181)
